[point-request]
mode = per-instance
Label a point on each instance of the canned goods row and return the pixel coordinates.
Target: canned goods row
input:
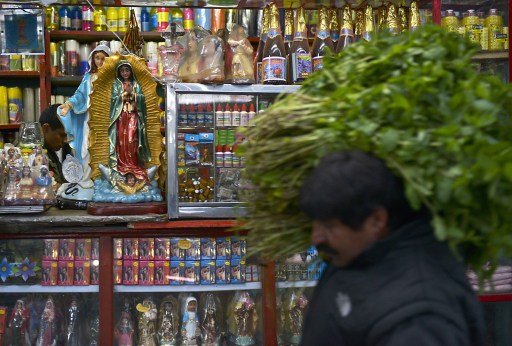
(486, 30)
(19, 62)
(86, 18)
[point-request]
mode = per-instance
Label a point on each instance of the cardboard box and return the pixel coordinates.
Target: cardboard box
(83, 249)
(162, 249)
(65, 273)
(82, 275)
(162, 273)
(50, 250)
(66, 249)
(146, 249)
(130, 272)
(49, 273)
(146, 272)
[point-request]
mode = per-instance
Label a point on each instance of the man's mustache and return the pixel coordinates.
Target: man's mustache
(326, 249)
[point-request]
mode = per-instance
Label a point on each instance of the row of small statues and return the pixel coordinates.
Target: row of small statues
(183, 321)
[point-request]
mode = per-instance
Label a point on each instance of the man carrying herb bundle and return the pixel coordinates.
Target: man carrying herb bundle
(389, 281)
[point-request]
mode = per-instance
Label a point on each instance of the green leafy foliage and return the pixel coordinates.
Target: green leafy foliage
(415, 101)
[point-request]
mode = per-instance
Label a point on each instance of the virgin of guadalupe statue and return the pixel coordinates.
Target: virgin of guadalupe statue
(210, 319)
(243, 318)
(74, 115)
(125, 145)
(168, 321)
(295, 310)
(47, 335)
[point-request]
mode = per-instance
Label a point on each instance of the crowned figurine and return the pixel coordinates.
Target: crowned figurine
(147, 322)
(243, 319)
(168, 321)
(210, 320)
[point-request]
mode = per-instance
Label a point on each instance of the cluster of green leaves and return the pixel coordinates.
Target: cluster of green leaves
(415, 101)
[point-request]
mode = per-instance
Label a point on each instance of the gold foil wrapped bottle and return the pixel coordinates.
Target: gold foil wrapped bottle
(288, 29)
(403, 22)
(392, 20)
(359, 24)
(322, 45)
(274, 53)
(414, 16)
(368, 27)
(382, 13)
(263, 38)
(334, 25)
(300, 56)
(347, 31)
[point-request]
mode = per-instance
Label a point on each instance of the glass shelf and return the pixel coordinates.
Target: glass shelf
(187, 288)
(48, 289)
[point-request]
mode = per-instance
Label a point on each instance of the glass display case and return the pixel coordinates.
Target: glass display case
(49, 291)
(204, 125)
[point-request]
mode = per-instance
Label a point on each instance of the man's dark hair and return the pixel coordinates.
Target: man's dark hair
(49, 116)
(350, 185)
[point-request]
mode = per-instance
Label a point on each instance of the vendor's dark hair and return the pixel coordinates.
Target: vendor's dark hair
(49, 116)
(350, 185)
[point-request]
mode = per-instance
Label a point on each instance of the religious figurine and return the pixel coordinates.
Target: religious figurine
(74, 325)
(168, 321)
(18, 325)
(47, 335)
(171, 52)
(243, 319)
(26, 183)
(123, 332)
(147, 322)
(189, 64)
(295, 310)
(210, 320)
(241, 68)
(74, 114)
(125, 147)
(95, 331)
(190, 329)
(211, 63)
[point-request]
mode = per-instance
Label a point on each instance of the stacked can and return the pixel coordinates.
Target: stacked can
(450, 21)
(494, 23)
(163, 18)
(188, 19)
(472, 26)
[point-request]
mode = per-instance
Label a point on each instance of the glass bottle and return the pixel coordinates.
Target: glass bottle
(52, 20)
(100, 19)
(263, 38)
(368, 25)
(347, 31)
(274, 53)
(65, 18)
(334, 26)
(322, 45)
(300, 56)
(288, 30)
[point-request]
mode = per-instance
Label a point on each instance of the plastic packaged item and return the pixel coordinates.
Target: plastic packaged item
(240, 68)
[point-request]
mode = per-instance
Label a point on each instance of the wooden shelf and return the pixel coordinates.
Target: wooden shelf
(9, 127)
(494, 298)
(66, 80)
(491, 55)
(93, 36)
(20, 74)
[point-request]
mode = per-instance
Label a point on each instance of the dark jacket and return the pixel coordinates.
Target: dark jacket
(55, 165)
(407, 289)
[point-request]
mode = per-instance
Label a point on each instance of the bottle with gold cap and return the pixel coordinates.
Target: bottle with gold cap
(392, 19)
(263, 38)
(358, 25)
(414, 16)
(100, 19)
(300, 56)
(403, 21)
(334, 26)
(274, 54)
(368, 24)
(347, 31)
(288, 29)
(322, 44)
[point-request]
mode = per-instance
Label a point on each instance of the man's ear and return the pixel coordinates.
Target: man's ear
(46, 127)
(378, 221)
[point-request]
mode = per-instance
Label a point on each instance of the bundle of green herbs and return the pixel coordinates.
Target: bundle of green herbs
(416, 101)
